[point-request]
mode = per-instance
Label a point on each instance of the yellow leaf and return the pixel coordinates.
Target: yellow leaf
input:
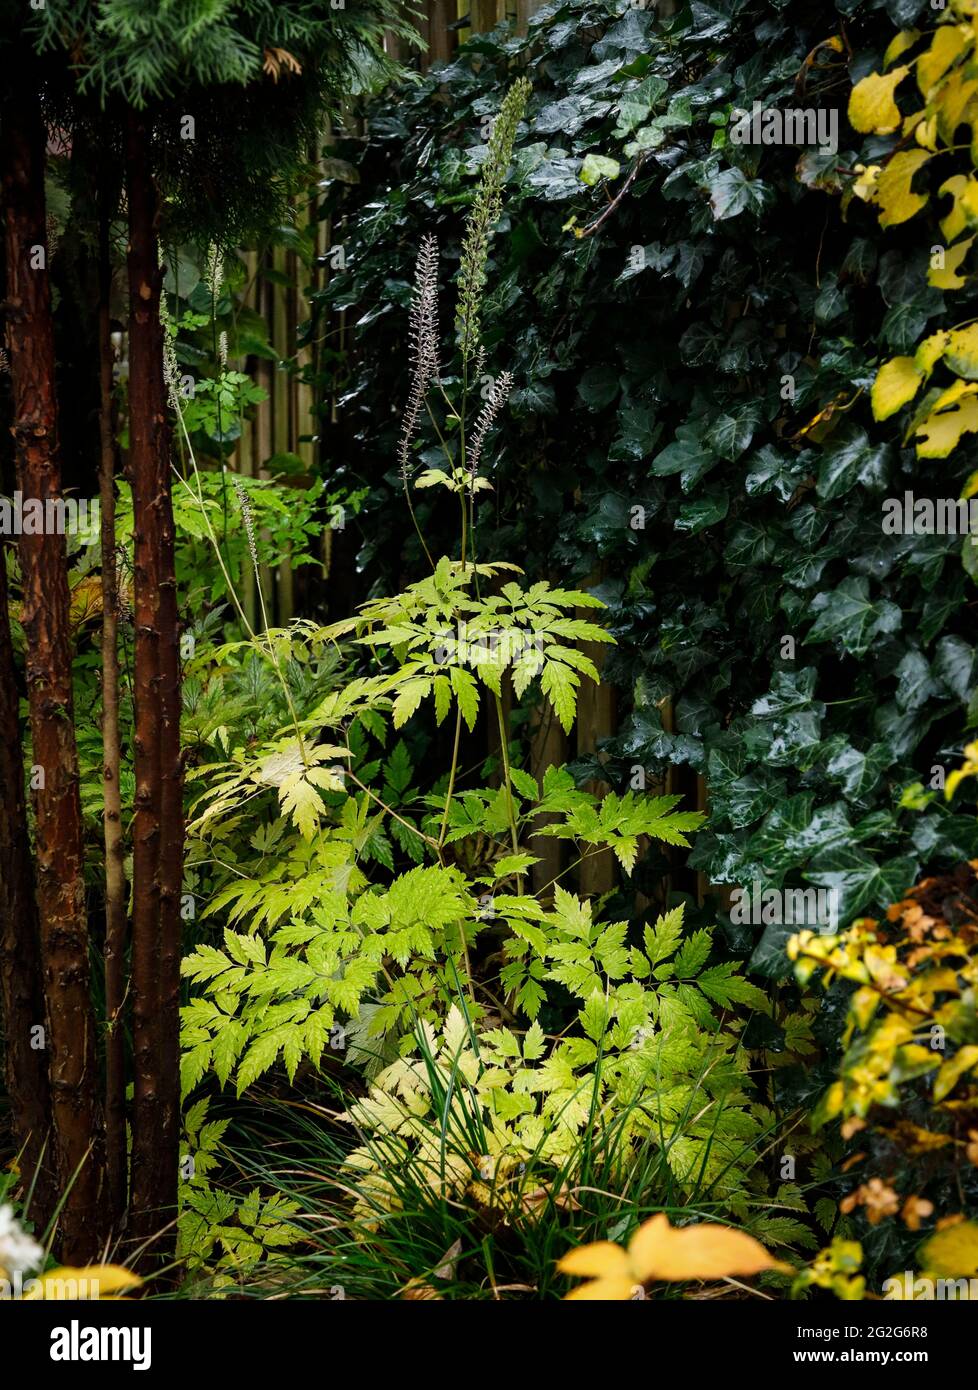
(949, 42)
(834, 1099)
(924, 131)
(954, 779)
(940, 433)
(968, 202)
(603, 1259)
(930, 351)
(871, 103)
(864, 186)
(897, 382)
(955, 222)
(953, 1252)
(863, 1005)
(953, 394)
(897, 202)
(956, 94)
(904, 40)
(107, 1279)
(660, 1251)
(961, 353)
(953, 1069)
(948, 277)
(610, 1290)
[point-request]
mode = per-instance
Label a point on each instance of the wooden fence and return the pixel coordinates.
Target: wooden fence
(279, 288)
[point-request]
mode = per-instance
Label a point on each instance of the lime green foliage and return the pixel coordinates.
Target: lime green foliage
(336, 941)
(647, 1063)
(835, 1268)
(383, 918)
(219, 1232)
(447, 639)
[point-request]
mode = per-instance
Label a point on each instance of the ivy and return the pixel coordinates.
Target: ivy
(697, 325)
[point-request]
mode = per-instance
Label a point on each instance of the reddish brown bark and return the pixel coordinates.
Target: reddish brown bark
(60, 889)
(115, 879)
(21, 989)
(158, 821)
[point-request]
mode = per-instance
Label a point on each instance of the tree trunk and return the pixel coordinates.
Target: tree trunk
(21, 987)
(115, 879)
(76, 1111)
(158, 820)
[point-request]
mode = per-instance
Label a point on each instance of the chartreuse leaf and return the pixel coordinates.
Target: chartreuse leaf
(871, 102)
(597, 167)
(897, 382)
(946, 46)
(897, 201)
(662, 939)
(955, 415)
(948, 276)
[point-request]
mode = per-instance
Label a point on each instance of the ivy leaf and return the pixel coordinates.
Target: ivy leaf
(597, 167)
(851, 458)
(848, 617)
(732, 193)
(861, 882)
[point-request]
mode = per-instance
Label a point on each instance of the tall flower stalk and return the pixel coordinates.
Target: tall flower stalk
(423, 340)
(464, 458)
(486, 210)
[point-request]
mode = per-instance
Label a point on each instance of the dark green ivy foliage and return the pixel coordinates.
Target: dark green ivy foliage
(663, 388)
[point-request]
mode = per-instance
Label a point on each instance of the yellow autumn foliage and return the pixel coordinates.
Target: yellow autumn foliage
(659, 1251)
(944, 64)
(65, 1282)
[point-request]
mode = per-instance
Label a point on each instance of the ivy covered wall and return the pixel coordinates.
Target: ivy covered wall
(694, 324)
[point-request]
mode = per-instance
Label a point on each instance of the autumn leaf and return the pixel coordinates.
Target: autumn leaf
(893, 193)
(897, 382)
(947, 45)
(952, 1253)
(948, 276)
(660, 1251)
(100, 1280)
(940, 433)
(871, 103)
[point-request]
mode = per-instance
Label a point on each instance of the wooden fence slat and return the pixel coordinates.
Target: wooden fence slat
(485, 15)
